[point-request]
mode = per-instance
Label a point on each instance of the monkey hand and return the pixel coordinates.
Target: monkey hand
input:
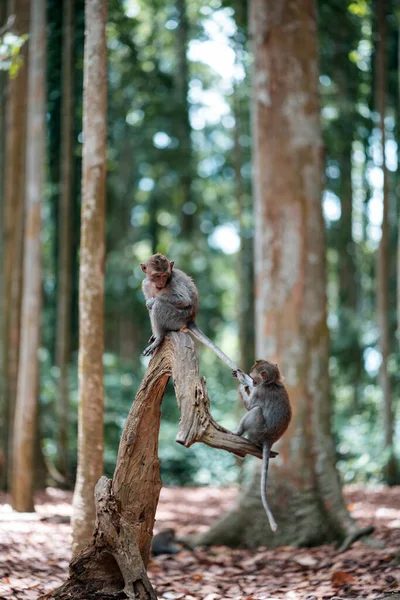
(150, 303)
(238, 374)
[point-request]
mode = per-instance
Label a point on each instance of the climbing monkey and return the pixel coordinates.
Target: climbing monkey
(268, 415)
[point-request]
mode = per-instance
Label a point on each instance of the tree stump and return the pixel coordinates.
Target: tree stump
(114, 563)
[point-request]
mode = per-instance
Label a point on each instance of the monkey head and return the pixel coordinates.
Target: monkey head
(158, 270)
(264, 371)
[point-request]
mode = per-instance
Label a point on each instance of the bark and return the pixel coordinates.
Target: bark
(91, 275)
(184, 131)
(28, 371)
(349, 337)
(14, 193)
(65, 273)
(3, 95)
(383, 257)
(290, 272)
(398, 172)
(114, 563)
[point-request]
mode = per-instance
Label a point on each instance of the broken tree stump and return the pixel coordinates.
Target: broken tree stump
(113, 566)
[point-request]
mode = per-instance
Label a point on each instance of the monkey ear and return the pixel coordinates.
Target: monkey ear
(143, 267)
(171, 264)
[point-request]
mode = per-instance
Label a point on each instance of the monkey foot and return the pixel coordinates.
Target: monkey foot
(149, 351)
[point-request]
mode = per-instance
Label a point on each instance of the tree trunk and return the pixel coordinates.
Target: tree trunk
(113, 565)
(91, 275)
(383, 257)
(348, 334)
(28, 371)
(3, 97)
(64, 278)
(14, 193)
(304, 488)
(184, 131)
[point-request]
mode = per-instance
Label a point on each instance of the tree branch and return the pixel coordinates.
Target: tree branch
(196, 423)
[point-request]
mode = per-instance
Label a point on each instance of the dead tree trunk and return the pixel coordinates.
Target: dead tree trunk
(115, 561)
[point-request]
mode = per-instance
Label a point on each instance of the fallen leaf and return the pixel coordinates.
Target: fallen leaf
(340, 578)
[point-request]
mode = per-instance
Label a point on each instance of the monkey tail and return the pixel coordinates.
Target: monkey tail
(264, 475)
(199, 335)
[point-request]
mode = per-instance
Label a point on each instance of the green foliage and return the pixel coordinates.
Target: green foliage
(147, 212)
(10, 53)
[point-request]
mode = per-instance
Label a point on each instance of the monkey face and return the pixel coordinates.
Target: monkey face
(159, 279)
(263, 370)
(158, 270)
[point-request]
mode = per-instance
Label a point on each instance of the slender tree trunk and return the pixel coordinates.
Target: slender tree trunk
(184, 133)
(3, 97)
(347, 270)
(304, 489)
(64, 233)
(28, 372)
(398, 173)
(91, 274)
(383, 257)
(14, 193)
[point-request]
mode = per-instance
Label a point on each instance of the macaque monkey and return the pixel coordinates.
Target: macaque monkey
(163, 543)
(268, 415)
(173, 300)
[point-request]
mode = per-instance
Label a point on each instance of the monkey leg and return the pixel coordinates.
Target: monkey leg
(168, 317)
(253, 424)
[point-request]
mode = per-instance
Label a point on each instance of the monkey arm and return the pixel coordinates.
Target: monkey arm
(244, 394)
(177, 300)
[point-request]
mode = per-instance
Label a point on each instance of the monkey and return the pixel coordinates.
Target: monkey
(173, 300)
(163, 543)
(267, 418)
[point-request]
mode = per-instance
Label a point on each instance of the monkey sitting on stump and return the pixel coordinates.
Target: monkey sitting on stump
(173, 300)
(268, 416)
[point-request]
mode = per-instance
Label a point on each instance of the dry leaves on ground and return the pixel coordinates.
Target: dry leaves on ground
(34, 553)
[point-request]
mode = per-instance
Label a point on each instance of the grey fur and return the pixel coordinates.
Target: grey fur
(266, 420)
(174, 308)
(163, 543)
(171, 308)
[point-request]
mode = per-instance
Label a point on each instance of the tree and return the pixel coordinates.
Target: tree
(13, 215)
(65, 273)
(28, 371)
(184, 130)
(383, 257)
(91, 274)
(304, 489)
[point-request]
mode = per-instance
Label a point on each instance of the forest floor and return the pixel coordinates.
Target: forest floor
(35, 552)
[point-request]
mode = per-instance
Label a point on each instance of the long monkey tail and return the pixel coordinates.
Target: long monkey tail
(264, 475)
(199, 335)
